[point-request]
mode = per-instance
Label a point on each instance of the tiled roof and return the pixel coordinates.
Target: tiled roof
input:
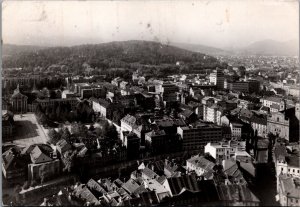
(188, 182)
(145, 199)
(287, 183)
(149, 173)
(233, 173)
(201, 162)
(96, 187)
(236, 193)
(130, 186)
(154, 133)
(131, 120)
(82, 192)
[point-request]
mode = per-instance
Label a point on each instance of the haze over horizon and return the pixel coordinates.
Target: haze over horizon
(220, 24)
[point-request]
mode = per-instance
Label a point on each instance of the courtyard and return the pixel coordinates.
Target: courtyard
(27, 130)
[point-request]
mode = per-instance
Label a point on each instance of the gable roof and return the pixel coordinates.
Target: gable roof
(37, 156)
(188, 182)
(201, 162)
(130, 186)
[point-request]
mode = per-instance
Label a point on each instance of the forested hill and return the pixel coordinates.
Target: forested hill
(113, 54)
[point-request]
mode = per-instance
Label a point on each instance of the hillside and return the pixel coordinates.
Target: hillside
(107, 55)
(201, 48)
(272, 47)
(9, 50)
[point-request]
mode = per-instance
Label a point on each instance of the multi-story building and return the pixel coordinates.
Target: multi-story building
(132, 143)
(156, 141)
(198, 136)
(236, 130)
(102, 107)
(278, 123)
(259, 124)
(50, 102)
(128, 123)
(224, 150)
(249, 86)
(217, 78)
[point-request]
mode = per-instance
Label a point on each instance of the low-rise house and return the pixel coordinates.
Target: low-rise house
(14, 164)
(175, 185)
(199, 165)
(288, 190)
(83, 193)
(63, 146)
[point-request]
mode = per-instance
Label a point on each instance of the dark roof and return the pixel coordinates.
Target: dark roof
(188, 182)
(95, 187)
(130, 186)
(145, 199)
(236, 193)
(149, 173)
(82, 192)
(12, 159)
(233, 173)
(202, 162)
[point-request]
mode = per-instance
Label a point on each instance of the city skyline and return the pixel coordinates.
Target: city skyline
(212, 23)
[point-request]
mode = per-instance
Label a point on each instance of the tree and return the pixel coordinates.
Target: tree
(42, 173)
(110, 131)
(66, 135)
(26, 185)
(68, 160)
(78, 129)
(53, 136)
(17, 190)
(43, 119)
(91, 128)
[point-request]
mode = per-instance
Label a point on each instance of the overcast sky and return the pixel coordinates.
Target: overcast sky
(218, 23)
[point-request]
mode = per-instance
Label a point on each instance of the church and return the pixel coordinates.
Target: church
(18, 101)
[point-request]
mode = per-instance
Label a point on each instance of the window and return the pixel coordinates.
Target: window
(278, 119)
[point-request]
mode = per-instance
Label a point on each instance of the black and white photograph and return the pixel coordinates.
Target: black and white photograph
(150, 103)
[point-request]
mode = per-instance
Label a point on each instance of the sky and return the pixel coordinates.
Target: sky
(217, 23)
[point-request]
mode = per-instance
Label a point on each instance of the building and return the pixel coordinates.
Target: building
(102, 107)
(7, 125)
(236, 129)
(18, 101)
(128, 123)
(50, 102)
(132, 143)
(284, 125)
(14, 165)
(211, 113)
(288, 190)
(217, 78)
(224, 150)
(196, 137)
(199, 165)
(259, 124)
(249, 86)
(156, 141)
